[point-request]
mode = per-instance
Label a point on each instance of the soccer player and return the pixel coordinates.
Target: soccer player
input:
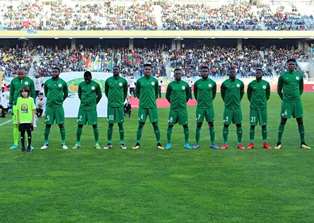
(147, 92)
(116, 90)
(290, 89)
(205, 92)
(56, 91)
(17, 84)
(258, 93)
(89, 93)
(232, 91)
(25, 108)
(178, 93)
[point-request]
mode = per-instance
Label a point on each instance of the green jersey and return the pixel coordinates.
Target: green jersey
(178, 93)
(116, 90)
(290, 85)
(205, 92)
(89, 94)
(56, 91)
(258, 93)
(147, 91)
(232, 92)
(25, 108)
(17, 84)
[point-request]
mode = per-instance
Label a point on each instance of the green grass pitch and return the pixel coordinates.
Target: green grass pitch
(161, 186)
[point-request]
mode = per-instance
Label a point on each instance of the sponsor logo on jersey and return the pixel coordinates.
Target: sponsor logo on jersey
(238, 85)
(153, 83)
(60, 85)
(120, 84)
(26, 82)
(209, 85)
(183, 87)
(93, 88)
(297, 78)
(264, 86)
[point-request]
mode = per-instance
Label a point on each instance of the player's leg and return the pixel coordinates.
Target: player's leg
(237, 117)
(29, 138)
(172, 119)
(60, 122)
(301, 132)
(15, 131)
(281, 129)
(22, 132)
(121, 134)
(199, 122)
(153, 117)
(225, 132)
(62, 134)
(142, 115)
(212, 135)
(253, 122)
(79, 131)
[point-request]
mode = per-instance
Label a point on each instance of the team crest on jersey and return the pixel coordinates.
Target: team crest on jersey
(60, 85)
(297, 78)
(26, 82)
(264, 86)
(153, 83)
(183, 87)
(120, 84)
(209, 85)
(93, 88)
(238, 85)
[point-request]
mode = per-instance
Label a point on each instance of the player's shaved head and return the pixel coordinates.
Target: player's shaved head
(233, 71)
(55, 72)
(204, 71)
(87, 76)
(21, 73)
(259, 73)
(291, 63)
(178, 74)
(116, 70)
(147, 69)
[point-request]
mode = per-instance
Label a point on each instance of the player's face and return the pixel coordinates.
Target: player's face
(55, 73)
(291, 66)
(21, 74)
(147, 71)
(177, 75)
(204, 73)
(116, 71)
(259, 74)
(87, 77)
(233, 73)
(24, 94)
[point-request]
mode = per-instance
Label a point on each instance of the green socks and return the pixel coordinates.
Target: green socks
(109, 133)
(157, 132)
(252, 133)
(280, 132)
(47, 132)
(62, 133)
(96, 134)
(186, 134)
(78, 134)
(139, 132)
(301, 132)
(212, 135)
(16, 135)
(264, 133)
(169, 133)
(121, 133)
(197, 134)
(225, 132)
(239, 134)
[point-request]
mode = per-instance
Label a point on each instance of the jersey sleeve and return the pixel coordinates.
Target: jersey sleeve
(268, 91)
(46, 88)
(241, 90)
(156, 88)
(125, 89)
(188, 92)
(279, 87)
(195, 90)
(168, 92)
(301, 84)
(138, 88)
(106, 88)
(249, 91)
(223, 91)
(65, 90)
(12, 88)
(214, 90)
(79, 91)
(98, 93)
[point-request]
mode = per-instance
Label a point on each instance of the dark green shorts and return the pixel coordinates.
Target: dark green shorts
(54, 115)
(291, 109)
(258, 116)
(87, 117)
(144, 112)
(205, 113)
(178, 116)
(232, 115)
(115, 115)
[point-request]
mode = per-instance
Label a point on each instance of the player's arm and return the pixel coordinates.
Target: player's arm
(156, 88)
(214, 91)
(79, 91)
(301, 85)
(249, 92)
(168, 93)
(188, 92)
(106, 88)
(223, 91)
(241, 90)
(12, 89)
(195, 90)
(279, 87)
(98, 93)
(45, 89)
(125, 90)
(65, 90)
(267, 91)
(33, 92)
(137, 89)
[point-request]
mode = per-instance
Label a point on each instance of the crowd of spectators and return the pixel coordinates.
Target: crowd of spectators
(40, 60)
(148, 15)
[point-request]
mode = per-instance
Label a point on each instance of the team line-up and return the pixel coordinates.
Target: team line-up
(289, 88)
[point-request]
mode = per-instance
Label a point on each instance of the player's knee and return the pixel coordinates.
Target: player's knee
(253, 126)
(170, 126)
(95, 126)
(111, 125)
(300, 121)
(155, 125)
(283, 121)
(141, 124)
(186, 126)
(199, 125)
(226, 125)
(48, 126)
(80, 126)
(210, 125)
(61, 126)
(238, 125)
